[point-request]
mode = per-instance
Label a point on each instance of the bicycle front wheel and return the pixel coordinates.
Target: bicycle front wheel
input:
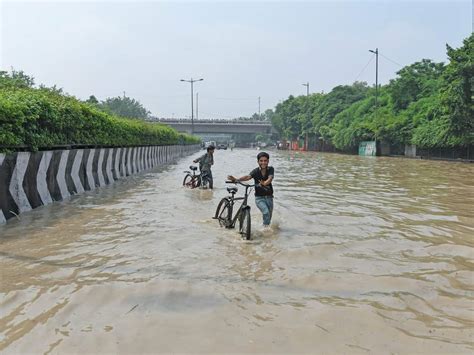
(197, 181)
(245, 223)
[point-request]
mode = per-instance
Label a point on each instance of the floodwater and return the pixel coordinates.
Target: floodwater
(365, 255)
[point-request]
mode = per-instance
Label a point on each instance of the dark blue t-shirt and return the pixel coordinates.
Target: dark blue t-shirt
(257, 177)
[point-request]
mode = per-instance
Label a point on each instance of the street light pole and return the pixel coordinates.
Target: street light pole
(307, 112)
(307, 88)
(376, 52)
(192, 81)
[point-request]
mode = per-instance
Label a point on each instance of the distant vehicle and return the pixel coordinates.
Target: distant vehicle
(222, 146)
(207, 144)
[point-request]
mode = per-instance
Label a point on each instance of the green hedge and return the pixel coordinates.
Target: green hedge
(42, 118)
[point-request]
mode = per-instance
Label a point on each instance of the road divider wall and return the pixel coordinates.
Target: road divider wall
(32, 179)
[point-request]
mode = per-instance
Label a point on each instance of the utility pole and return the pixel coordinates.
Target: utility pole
(376, 52)
(259, 106)
(307, 88)
(192, 81)
(197, 105)
(307, 113)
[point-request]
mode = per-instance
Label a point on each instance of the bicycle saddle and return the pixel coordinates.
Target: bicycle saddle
(194, 168)
(232, 190)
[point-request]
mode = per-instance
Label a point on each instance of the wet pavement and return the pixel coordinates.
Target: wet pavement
(365, 255)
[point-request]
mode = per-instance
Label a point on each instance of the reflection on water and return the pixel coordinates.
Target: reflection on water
(359, 246)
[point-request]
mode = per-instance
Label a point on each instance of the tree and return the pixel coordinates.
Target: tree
(286, 118)
(263, 138)
(256, 117)
(92, 100)
(458, 90)
(340, 98)
(420, 79)
(267, 115)
(449, 117)
(125, 107)
(17, 79)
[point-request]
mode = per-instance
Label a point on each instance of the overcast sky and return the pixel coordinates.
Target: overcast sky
(242, 49)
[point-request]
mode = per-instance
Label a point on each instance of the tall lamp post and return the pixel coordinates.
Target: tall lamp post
(192, 81)
(307, 112)
(376, 52)
(307, 88)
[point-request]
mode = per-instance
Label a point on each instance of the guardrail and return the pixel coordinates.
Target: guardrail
(26, 148)
(212, 121)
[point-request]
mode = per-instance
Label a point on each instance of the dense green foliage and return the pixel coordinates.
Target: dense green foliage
(42, 117)
(428, 104)
(123, 106)
(17, 79)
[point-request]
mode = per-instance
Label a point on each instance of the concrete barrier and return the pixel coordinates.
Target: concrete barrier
(29, 180)
(410, 150)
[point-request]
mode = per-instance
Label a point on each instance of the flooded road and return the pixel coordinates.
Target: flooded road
(365, 256)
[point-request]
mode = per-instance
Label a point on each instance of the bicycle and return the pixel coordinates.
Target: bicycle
(195, 180)
(225, 208)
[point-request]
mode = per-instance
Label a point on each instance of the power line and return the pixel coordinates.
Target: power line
(371, 59)
(394, 62)
(233, 98)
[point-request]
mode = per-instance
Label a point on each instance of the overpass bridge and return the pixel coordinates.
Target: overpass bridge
(219, 130)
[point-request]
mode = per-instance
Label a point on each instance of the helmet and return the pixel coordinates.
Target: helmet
(263, 154)
(211, 147)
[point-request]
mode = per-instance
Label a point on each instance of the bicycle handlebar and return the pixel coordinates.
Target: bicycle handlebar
(246, 185)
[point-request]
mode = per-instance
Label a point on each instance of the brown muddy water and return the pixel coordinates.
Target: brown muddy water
(366, 255)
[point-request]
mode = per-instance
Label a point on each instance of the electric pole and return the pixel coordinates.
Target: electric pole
(376, 52)
(192, 81)
(307, 88)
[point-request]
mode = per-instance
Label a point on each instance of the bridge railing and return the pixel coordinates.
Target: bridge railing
(211, 121)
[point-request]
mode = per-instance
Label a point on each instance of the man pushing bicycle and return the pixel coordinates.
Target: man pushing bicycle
(263, 177)
(205, 161)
